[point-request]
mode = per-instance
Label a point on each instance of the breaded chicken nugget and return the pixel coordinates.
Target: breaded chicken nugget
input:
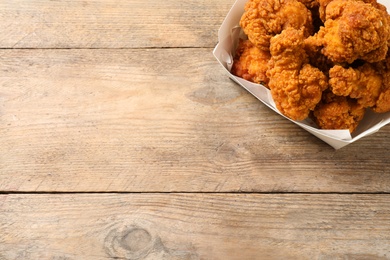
(250, 62)
(296, 86)
(264, 19)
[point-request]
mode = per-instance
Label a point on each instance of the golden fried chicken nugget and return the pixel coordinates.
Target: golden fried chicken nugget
(250, 62)
(296, 86)
(263, 19)
(363, 83)
(337, 112)
(353, 30)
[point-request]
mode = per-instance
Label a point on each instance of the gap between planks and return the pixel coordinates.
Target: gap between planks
(190, 192)
(119, 48)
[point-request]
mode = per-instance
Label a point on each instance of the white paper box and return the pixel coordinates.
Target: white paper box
(228, 36)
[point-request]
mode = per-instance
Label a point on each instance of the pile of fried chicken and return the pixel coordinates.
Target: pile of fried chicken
(323, 59)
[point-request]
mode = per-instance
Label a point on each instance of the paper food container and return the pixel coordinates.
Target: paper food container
(228, 36)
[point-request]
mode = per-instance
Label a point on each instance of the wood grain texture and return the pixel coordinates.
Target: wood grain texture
(160, 120)
(194, 226)
(107, 106)
(110, 24)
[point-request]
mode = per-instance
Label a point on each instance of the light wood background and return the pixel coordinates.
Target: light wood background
(121, 137)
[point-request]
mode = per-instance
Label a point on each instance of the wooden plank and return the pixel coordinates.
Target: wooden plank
(160, 120)
(195, 226)
(110, 24)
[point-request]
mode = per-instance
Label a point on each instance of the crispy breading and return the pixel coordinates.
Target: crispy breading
(369, 84)
(296, 86)
(264, 19)
(353, 30)
(382, 104)
(338, 112)
(250, 62)
(363, 83)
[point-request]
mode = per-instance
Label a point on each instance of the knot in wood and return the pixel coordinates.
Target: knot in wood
(136, 240)
(130, 242)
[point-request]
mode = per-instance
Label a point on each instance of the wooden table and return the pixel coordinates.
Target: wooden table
(121, 137)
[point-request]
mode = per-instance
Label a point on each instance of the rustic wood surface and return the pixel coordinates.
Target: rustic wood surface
(121, 137)
(110, 23)
(195, 226)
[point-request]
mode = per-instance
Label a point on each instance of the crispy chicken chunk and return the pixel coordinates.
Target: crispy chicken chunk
(369, 84)
(263, 19)
(363, 83)
(250, 62)
(337, 112)
(296, 86)
(353, 30)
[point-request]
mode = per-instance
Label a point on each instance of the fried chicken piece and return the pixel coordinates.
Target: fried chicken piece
(363, 83)
(296, 86)
(263, 19)
(337, 112)
(369, 84)
(382, 104)
(250, 62)
(324, 3)
(353, 30)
